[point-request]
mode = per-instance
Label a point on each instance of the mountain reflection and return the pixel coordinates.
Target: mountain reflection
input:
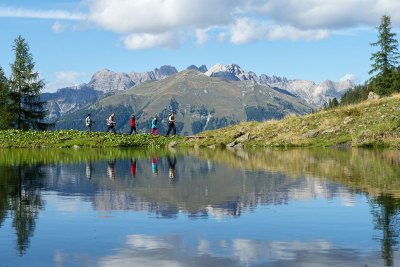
(205, 184)
(199, 188)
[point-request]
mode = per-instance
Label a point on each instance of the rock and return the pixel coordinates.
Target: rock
(373, 96)
(173, 144)
(76, 147)
(239, 134)
(189, 137)
(243, 138)
(106, 81)
(347, 120)
(239, 146)
(332, 130)
(212, 146)
(310, 134)
(232, 144)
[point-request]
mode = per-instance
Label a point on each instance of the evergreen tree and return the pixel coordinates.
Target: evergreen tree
(385, 60)
(5, 116)
(355, 95)
(335, 102)
(27, 108)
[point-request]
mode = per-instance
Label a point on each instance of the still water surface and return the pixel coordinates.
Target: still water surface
(199, 208)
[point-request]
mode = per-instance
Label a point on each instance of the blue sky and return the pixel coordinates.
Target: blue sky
(299, 39)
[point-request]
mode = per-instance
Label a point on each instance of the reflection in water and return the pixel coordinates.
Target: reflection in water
(20, 188)
(154, 165)
(133, 167)
(172, 251)
(386, 214)
(171, 171)
(111, 169)
(216, 186)
(89, 169)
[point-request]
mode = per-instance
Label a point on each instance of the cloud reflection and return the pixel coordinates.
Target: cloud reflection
(171, 251)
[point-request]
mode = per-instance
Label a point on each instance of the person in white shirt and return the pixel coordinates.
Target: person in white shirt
(89, 123)
(111, 123)
(171, 123)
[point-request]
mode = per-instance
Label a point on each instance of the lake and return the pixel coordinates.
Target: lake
(111, 207)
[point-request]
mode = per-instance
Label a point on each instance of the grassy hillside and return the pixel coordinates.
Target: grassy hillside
(371, 123)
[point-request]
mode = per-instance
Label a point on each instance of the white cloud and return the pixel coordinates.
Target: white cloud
(148, 40)
(58, 27)
(202, 36)
(157, 16)
(167, 23)
(66, 79)
(40, 14)
(325, 14)
(247, 30)
(347, 77)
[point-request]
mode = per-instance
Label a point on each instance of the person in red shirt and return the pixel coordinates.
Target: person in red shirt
(132, 122)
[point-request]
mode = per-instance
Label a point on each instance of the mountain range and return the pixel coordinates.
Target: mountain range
(202, 98)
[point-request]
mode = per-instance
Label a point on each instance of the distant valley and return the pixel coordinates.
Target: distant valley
(202, 98)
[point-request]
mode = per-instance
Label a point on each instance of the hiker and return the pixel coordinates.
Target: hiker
(132, 122)
(89, 123)
(111, 123)
(154, 122)
(171, 123)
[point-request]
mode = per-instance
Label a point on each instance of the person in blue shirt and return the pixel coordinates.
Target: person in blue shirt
(154, 122)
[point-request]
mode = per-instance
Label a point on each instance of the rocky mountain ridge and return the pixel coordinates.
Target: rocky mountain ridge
(106, 82)
(311, 92)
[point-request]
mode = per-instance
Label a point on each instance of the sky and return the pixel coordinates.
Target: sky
(298, 39)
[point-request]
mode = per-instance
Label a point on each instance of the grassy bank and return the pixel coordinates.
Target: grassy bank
(374, 123)
(73, 138)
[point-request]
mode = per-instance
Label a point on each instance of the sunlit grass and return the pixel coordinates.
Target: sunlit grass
(369, 124)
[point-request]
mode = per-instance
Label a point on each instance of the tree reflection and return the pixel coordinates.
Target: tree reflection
(386, 213)
(20, 189)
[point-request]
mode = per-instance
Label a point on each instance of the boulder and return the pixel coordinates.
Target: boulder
(173, 144)
(310, 134)
(373, 96)
(243, 138)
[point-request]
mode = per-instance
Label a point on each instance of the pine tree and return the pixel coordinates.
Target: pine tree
(355, 95)
(335, 102)
(385, 60)
(5, 116)
(27, 108)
